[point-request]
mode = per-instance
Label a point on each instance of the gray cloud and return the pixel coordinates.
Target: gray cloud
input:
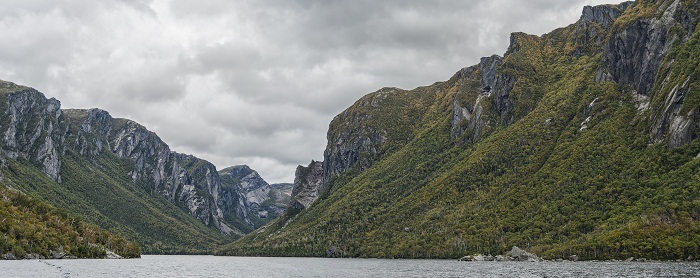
(251, 82)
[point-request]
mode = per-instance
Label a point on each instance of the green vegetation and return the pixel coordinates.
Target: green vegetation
(30, 226)
(569, 170)
(102, 192)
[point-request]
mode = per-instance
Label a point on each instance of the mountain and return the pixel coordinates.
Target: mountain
(116, 174)
(582, 141)
(262, 202)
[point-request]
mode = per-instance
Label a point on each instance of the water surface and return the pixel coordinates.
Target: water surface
(251, 267)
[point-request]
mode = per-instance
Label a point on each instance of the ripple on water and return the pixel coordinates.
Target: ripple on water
(251, 267)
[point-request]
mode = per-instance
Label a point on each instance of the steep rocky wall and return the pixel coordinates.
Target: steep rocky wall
(258, 198)
(308, 184)
(32, 128)
(246, 191)
(636, 54)
(634, 51)
(183, 179)
(476, 84)
(350, 140)
(35, 129)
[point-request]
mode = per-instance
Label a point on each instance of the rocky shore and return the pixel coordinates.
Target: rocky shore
(517, 254)
(60, 254)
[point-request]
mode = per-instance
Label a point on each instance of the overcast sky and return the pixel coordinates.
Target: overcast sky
(252, 82)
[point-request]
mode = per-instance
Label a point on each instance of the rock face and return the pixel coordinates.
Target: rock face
(184, 180)
(308, 184)
(35, 129)
(636, 55)
(602, 15)
(282, 193)
(354, 143)
(258, 199)
(467, 111)
(592, 27)
(32, 128)
(634, 52)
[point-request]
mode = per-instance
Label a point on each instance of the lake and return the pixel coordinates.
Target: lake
(211, 266)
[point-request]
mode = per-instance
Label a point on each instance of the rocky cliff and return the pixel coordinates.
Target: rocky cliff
(259, 202)
(184, 180)
(36, 130)
(308, 184)
(32, 128)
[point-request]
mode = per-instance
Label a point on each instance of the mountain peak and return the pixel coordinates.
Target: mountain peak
(238, 170)
(8, 87)
(603, 15)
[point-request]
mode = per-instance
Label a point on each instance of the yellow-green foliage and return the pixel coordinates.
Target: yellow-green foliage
(30, 226)
(641, 9)
(102, 193)
(568, 171)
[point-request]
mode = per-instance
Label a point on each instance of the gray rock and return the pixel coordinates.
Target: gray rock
(332, 252)
(522, 255)
(308, 184)
(58, 254)
(473, 258)
(501, 258)
(634, 55)
(36, 129)
(9, 256)
(603, 15)
(32, 128)
(467, 117)
(593, 26)
(352, 142)
(33, 256)
(258, 197)
(111, 255)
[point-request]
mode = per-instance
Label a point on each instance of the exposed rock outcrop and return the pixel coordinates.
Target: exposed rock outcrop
(636, 55)
(308, 184)
(35, 129)
(593, 26)
(184, 180)
(515, 254)
(32, 127)
(355, 143)
(673, 126)
(602, 15)
(467, 114)
(282, 193)
(634, 51)
(522, 255)
(256, 198)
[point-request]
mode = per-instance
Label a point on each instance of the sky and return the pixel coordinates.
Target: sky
(252, 82)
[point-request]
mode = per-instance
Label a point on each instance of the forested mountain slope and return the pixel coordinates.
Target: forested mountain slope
(34, 229)
(580, 141)
(116, 174)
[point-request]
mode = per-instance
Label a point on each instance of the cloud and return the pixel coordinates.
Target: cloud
(251, 82)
